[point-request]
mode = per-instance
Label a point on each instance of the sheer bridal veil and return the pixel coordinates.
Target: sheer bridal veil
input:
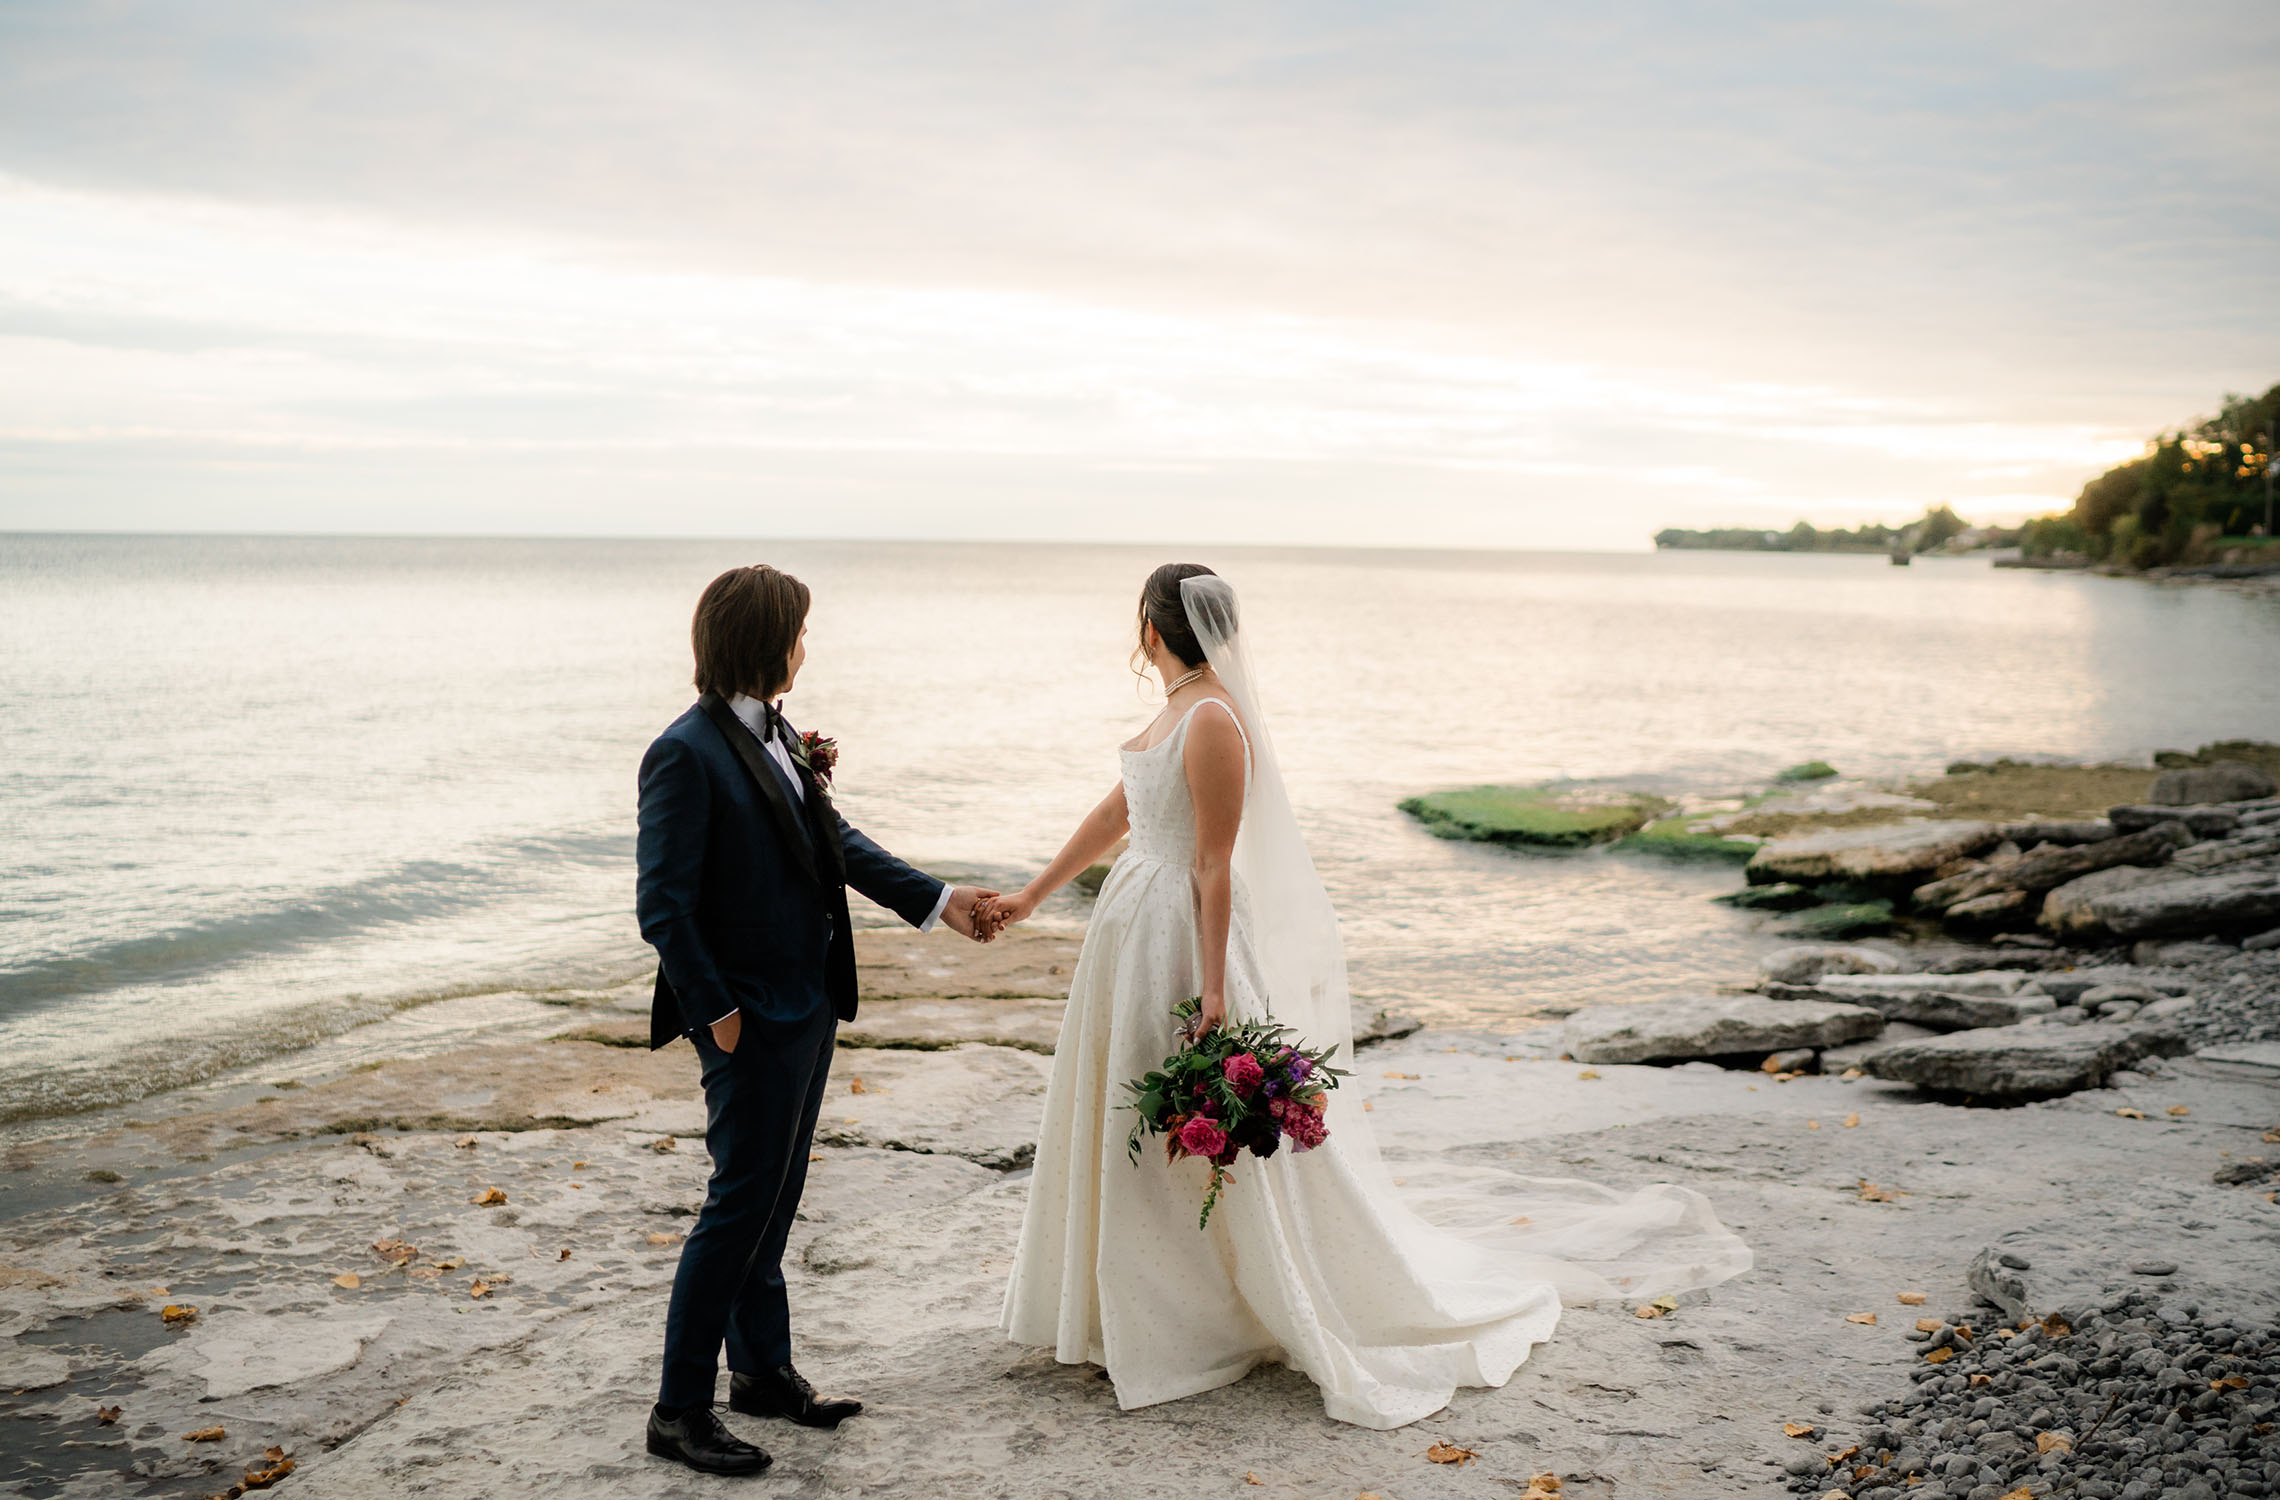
(1458, 1221)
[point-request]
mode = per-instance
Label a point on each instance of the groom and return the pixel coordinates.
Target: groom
(743, 873)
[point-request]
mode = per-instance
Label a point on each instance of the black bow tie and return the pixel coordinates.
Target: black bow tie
(772, 725)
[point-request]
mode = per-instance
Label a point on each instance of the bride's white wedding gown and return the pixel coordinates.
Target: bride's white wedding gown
(1311, 1260)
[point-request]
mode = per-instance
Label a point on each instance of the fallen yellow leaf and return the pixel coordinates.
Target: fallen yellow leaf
(2128, 1113)
(1911, 1299)
(1545, 1481)
(1838, 1458)
(106, 1415)
(855, 1086)
(178, 1313)
(1868, 1318)
(1411, 1076)
(1939, 1356)
(815, 1156)
(465, 1143)
(2272, 1136)
(488, 1198)
(565, 1255)
(479, 1289)
(1523, 1219)
(394, 1250)
(348, 1281)
(1851, 1121)
(661, 1238)
(1667, 1304)
(1871, 1193)
(1367, 1105)
(662, 1145)
(1449, 1453)
(1929, 1325)
(449, 1263)
(1982, 1380)
(2054, 1442)
(1250, 1478)
(263, 1478)
(577, 1166)
(205, 1435)
(1812, 1124)
(2021, 1493)
(1588, 1074)
(2179, 1109)
(1798, 1429)
(2230, 1383)
(1852, 1073)
(2055, 1327)
(423, 1273)
(1646, 1310)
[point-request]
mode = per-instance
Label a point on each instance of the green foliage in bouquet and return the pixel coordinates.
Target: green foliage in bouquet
(1237, 1088)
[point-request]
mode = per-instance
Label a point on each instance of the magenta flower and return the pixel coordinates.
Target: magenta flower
(1243, 1074)
(1305, 1129)
(1201, 1137)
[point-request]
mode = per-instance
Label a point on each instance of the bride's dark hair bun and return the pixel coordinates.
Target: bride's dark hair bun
(1161, 606)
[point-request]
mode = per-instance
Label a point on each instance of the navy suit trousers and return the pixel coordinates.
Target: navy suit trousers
(761, 1103)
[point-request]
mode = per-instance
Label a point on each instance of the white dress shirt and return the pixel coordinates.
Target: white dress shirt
(753, 715)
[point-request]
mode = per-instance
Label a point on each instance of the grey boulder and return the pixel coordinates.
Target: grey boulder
(1892, 855)
(1806, 962)
(1713, 1026)
(2195, 904)
(2071, 910)
(2226, 781)
(2068, 987)
(2048, 868)
(2030, 1060)
(2255, 844)
(2206, 822)
(1945, 1002)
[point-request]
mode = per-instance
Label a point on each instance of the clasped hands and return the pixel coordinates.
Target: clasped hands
(980, 914)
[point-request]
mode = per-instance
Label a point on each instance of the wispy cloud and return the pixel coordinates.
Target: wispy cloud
(1529, 277)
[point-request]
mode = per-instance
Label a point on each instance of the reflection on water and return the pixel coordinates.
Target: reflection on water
(250, 779)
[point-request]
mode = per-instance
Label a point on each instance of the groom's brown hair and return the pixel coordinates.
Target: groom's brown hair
(748, 620)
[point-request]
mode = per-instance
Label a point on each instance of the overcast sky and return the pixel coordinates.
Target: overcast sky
(1449, 274)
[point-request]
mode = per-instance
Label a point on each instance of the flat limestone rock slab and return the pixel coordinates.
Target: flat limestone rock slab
(2206, 903)
(1805, 963)
(2260, 1060)
(981, 1103)
(924, 1023)
(28, 1367)
(1990, 984)
(236, 1352)
(1713, 1026)
(1892, 853)
(2070, 911)
(898, 963)
(2030, 1060)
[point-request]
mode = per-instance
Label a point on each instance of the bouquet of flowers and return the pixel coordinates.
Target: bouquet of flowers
(1235, 1088)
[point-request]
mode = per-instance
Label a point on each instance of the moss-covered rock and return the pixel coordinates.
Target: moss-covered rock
(1558, 816)
(1835, 923)
(1688, 837)
(1811, 770)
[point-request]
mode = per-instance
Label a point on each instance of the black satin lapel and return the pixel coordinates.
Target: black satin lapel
(772, 791)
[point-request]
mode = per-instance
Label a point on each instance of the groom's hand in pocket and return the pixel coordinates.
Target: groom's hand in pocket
(727, 1030)
(962, 916)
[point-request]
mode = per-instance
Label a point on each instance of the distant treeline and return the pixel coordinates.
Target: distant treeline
(1939, 527)
(2195, 494)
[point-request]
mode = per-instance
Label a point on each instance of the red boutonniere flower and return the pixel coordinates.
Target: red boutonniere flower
(818, 754)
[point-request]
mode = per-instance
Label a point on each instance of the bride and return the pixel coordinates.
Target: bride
(1311, 1260)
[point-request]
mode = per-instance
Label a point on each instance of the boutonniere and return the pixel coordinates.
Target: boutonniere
(818, 754)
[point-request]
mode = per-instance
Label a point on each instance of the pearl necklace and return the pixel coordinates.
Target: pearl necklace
(1180, 682)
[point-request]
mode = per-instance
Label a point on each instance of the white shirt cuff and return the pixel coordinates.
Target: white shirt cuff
(941, 904)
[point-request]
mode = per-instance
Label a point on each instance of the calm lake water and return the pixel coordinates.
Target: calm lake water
(258, 790)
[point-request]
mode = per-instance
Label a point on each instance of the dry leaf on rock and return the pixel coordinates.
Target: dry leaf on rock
(206, 1435)
(1939, 1356)
(1852, 1073)
(1929, 1325)
(1546, 1481)
(1798, 1429)
(577, 1166)
(855, 1086)
(1250, 1478)
(262, 1478)
(1449, 1453)
(106, 1415)
(565, 1255)
(1867, 1318)
(394, 1250)
(2021, 1493)
(348, 1281)
(2054, 1442)
(1412, 1077)
(1838, 1458)
(1851, 1121)
(423, 1273)
(465, 1143)
(1871, 1193)
(661, 1238)
(1523, 1219)
(1812, 1124)
(2128, 1113)
(663, 1145)
(479, 1289)
(1667, 1304)
(2230, 1383)
(178, 1313)
(2056, 1327)
(1911, 1299)
(1982, 1380)
(815, 1156)
(1588, 1074)
(488, 1198)
(2179, 1109)
(1644, 1310)
(2272, 1136)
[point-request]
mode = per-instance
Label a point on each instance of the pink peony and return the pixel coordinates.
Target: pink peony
(1243, 1074)
(1202, 1137)
(1305, 1129)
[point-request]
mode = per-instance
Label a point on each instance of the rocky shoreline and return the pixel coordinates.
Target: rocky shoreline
(442, 1274)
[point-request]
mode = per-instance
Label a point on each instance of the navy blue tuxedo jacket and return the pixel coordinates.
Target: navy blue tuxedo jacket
(742, 887)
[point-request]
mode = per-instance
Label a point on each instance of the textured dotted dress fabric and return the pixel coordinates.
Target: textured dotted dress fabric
(1306, 1261)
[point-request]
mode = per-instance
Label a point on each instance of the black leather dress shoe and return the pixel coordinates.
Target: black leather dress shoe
(784, 1392)
(698, 1438)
